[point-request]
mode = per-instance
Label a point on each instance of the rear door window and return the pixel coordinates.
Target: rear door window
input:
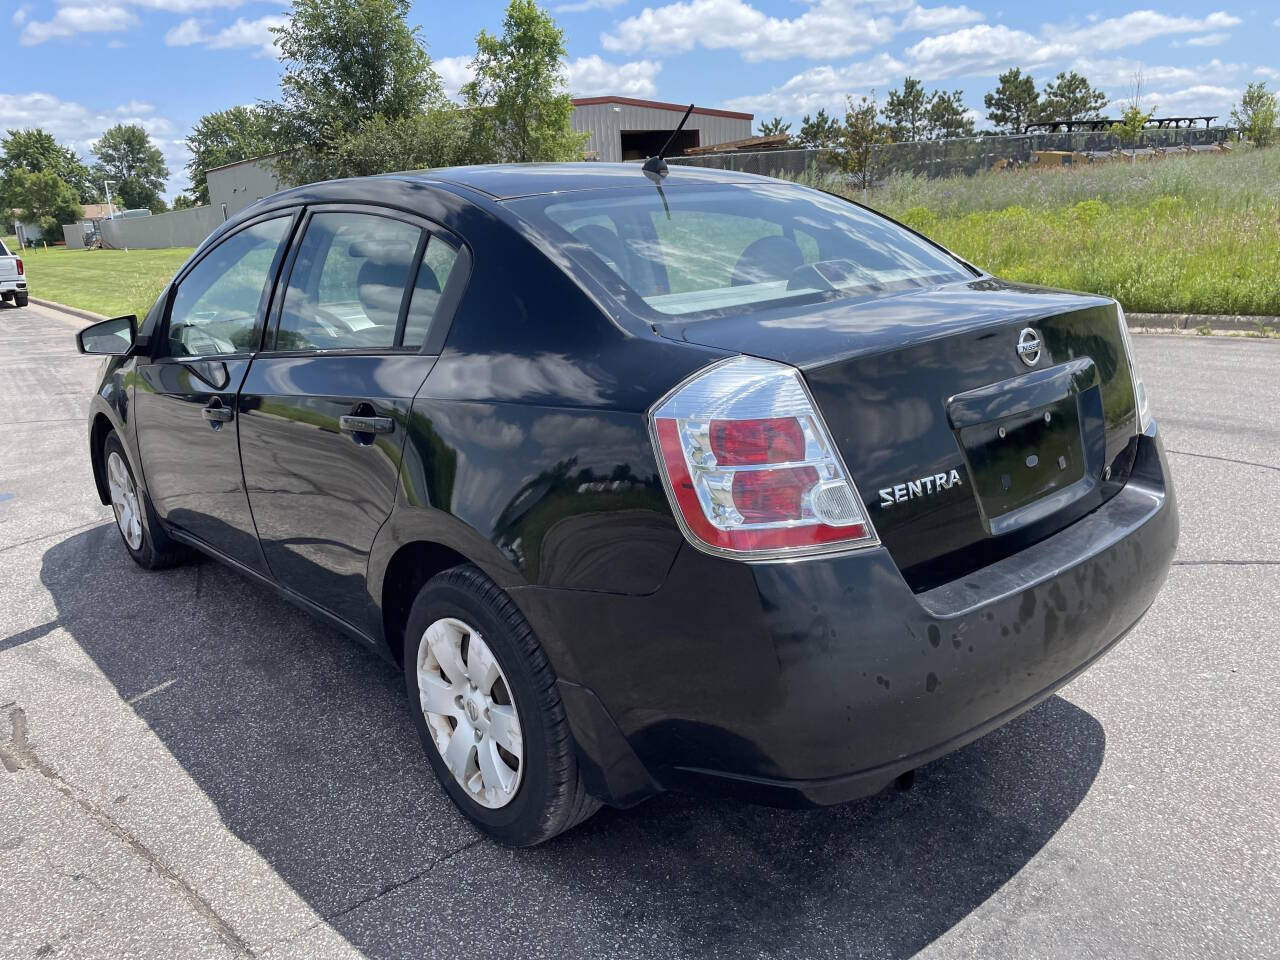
(348, 283)
(438, 263)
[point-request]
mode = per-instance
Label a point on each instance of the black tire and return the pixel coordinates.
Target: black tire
(20, 299)
(157, 549)
(550, 797)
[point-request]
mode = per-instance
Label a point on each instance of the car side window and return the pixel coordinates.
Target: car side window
(347, 283)
(438, 261)
(215, 307)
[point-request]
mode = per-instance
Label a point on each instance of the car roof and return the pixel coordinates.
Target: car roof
(507, 181)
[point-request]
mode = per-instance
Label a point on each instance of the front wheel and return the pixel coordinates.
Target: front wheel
(485, 703)
(139, 528)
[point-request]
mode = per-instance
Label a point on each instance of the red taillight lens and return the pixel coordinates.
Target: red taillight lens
(19, 266)
(772, 496)
(775, 440)
(750, 467)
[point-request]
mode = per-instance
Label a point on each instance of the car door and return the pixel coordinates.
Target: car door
(184, 398)
(323, 409)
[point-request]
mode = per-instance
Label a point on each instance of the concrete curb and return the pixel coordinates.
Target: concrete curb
(63, 308)
(1217, 323)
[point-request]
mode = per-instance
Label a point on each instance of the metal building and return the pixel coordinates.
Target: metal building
(234, 186)
(623, 128)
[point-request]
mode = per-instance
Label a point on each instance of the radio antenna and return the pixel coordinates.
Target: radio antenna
(657, 165)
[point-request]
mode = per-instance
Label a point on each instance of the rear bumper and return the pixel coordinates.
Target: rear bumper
(13, 286)
(818, 681)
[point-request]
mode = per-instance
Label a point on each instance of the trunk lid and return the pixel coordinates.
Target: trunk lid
(963, 451)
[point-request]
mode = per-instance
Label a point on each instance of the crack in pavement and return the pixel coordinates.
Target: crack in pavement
(18, 755)
(385, 889)
(1210, 456)
(57, 533)
(1226, 563)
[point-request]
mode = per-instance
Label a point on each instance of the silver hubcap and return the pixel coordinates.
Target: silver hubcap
(470, 711)
(124, 501)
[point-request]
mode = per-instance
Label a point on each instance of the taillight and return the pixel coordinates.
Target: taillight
(750, 467)
(19, 266)
(1139, 388)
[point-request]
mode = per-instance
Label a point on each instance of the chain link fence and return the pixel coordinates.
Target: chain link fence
(945, 158)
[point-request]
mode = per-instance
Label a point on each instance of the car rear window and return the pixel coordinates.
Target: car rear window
(687, 251)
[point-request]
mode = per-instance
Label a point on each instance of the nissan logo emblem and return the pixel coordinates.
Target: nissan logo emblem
(1029, 346)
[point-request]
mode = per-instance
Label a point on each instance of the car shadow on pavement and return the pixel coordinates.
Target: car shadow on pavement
(301, 740)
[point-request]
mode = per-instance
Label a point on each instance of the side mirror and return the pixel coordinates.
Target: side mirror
(112, 338)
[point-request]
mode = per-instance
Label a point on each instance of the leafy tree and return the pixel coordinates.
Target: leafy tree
(1014, 103)
(774, 127)
(907, 111)
(37, 151)
(184, 202)
(127, 156)
(350, 66)
(860, 136)
(44, 199)
(947, 117)
(1256, 114)
(1071, 97)
(226, 136)
(1135, 117)
(519, 105)
(820, 132)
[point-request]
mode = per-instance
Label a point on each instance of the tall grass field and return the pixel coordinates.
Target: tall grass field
(1177, 234)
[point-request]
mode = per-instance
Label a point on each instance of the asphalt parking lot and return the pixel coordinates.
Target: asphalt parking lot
(191, 768)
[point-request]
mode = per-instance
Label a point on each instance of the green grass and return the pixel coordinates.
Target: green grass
(1198, 234)
(110, 282)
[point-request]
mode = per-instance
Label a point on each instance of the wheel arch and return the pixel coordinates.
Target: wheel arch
(408, 570)
(98, 430)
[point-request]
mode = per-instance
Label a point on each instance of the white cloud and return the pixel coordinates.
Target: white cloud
(20, 15)
(454, 72)
(1269, 72)
(822, 88)
(1208, 40)
(579, 6)
(827, 28)
(185, 34)
(70, 20)
(593, 75)
(939, 18)
(1137, 28)
(242, 33)
(1198, 98)
(1119, 72)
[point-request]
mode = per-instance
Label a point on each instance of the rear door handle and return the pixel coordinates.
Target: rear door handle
(354, 424)
(216, 415)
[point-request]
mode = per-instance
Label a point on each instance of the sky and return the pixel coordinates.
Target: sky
(84, 65)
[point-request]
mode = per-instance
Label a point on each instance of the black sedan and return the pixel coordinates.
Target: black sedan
(706, 482)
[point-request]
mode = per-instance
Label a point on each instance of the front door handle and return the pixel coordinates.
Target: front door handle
(354, 424)
(216, 413)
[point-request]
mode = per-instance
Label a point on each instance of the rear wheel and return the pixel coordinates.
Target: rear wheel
(20, 299)
(139, 527)
(485, 703)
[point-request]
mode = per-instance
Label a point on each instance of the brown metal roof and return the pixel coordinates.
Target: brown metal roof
(661, 105)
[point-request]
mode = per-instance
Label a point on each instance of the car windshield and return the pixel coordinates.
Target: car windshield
(688, 251)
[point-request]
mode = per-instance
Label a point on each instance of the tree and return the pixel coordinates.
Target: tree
(861, 134)
(820, 132)
(907, 111)
(350, 66)
(1013, 104)
(1256, 114)
(519, 105)
(1071, 97)
(947, 117)
(183, 202)
(1134, 119)
(226, 136)
(774, 127)
(36, 151)
(44, 199)
(127, 156)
